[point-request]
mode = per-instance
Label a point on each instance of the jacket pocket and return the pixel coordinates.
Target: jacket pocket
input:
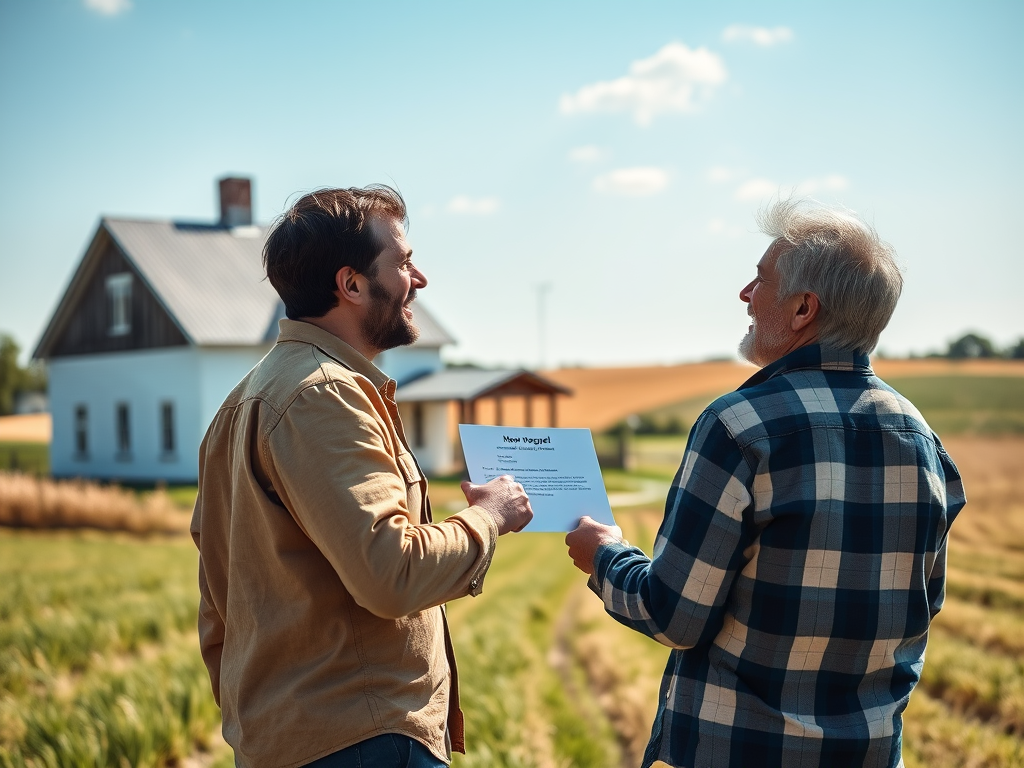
(410, 470)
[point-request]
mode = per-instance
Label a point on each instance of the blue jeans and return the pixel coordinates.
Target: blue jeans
(392, 750)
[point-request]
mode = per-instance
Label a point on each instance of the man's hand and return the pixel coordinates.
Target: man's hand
(506, 501)
(585, 540)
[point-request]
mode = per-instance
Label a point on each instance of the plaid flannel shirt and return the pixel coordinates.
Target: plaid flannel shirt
(800, 561)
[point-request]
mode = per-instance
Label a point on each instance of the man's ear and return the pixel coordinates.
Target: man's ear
(351, 285)
(806, 312)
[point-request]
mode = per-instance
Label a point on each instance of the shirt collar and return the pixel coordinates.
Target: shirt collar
(331, 345)
(812, 356)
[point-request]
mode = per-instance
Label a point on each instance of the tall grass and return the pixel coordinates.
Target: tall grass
(99, 661)
(32, 502)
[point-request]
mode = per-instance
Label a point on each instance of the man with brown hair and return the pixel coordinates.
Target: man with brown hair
(322, 576)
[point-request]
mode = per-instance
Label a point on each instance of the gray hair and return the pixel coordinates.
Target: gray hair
(833, 254)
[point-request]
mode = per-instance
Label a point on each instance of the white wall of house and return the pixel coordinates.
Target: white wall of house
(141, 380)
(436, 450)
(220, 369)
(193, 381)
(403, 363)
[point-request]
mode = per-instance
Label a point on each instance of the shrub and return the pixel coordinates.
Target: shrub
(29, 502)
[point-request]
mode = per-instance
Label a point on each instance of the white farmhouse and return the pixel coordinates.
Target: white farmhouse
(162, 318)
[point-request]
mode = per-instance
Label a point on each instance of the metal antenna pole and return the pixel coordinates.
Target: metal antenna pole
(542, 291)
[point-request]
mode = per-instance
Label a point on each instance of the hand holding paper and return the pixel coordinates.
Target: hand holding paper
(588, 537)
(557, 467)
(505, 499)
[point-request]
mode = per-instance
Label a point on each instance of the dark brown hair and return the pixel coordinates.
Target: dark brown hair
(321, 233)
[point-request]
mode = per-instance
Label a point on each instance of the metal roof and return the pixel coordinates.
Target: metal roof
(211, 281)
(471, 383)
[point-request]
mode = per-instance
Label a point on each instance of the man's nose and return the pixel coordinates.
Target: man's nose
(418, 278)
(745, 292)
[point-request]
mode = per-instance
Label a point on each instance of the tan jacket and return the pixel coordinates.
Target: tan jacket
(320, 573)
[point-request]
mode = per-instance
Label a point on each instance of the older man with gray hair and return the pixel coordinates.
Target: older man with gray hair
(802, 555)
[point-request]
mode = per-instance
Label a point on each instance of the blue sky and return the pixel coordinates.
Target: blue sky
(608, 156)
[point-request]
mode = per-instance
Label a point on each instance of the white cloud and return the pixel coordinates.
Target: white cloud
(760, 35)
(833, 183)
(591, 153)
(756, 189)
(633, 182)
(760, 188)
(465, 205)
(720, 174)
(109, 7)
(674, 79)
(719, 227)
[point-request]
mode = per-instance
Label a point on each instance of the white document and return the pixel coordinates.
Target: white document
(557, 467)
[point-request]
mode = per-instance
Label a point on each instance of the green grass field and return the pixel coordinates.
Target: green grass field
(99, 664)
(956, 405)
(98, 652)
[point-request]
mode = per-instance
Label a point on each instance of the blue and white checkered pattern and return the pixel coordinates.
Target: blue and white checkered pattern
(800, 561)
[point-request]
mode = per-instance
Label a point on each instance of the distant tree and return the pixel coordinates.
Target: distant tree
(970, 346)
(1016, 352)
(10, 373)
(13, 378)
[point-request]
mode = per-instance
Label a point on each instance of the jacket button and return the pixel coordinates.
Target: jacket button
(474, 583)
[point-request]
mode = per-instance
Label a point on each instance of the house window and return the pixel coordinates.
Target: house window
(167, 430)
(124, 432)
(119, 300)
(81, 432)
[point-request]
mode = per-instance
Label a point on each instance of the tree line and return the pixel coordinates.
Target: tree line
(15, 379)
(974, 345)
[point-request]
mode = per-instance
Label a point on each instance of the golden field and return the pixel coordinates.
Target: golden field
(603, 396)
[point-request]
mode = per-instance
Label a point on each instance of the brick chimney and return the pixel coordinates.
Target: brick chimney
(235, 202)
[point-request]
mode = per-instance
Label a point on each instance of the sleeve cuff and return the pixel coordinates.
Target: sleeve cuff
(484, 530)
(602, 560)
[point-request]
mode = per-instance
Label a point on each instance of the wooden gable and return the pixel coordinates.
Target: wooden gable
(83, 323)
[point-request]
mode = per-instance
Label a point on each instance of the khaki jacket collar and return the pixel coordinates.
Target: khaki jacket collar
(331, 345)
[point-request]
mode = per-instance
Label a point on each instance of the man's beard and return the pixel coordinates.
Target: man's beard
(760, 344)
(386, 326)
(747, 344)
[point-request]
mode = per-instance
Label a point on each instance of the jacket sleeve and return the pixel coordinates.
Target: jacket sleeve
(678, 597)
(338, 474)
(211, 630)
(955, 499)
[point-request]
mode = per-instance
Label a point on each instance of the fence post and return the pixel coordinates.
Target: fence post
(626, 458)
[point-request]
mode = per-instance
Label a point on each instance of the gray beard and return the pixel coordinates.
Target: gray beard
(746, 348)
(750, 343)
